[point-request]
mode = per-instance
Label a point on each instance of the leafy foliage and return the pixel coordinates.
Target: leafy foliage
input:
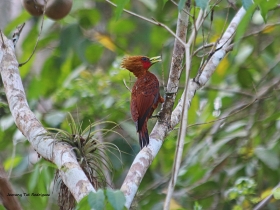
(112, 199)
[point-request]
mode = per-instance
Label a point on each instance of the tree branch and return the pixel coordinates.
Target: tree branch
(184, 119)
(267, 199)
(205, 74)
(222, 45)
(146, 155)
(60, 154)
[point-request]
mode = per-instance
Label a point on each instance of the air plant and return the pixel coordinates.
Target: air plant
(91, 153)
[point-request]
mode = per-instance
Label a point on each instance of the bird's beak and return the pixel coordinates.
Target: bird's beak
(155, 59)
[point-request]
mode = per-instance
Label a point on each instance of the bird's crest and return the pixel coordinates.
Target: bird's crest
(134, 64)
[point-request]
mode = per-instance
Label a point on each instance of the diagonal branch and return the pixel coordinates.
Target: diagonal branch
(267, 199)
(60, 154)
(138, 168)
(210, 67)
(145, 157)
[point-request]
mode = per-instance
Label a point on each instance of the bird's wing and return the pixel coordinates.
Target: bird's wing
(133, 107)
(145, 106)
(145, 95)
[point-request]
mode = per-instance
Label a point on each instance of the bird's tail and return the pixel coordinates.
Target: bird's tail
(143, 137)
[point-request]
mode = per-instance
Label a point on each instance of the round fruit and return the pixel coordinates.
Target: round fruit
(58, 9)
(34, 7)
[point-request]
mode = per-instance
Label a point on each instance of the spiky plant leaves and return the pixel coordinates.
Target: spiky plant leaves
(91, 154)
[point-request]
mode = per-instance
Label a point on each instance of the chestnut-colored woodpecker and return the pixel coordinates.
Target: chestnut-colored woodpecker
(145, 94)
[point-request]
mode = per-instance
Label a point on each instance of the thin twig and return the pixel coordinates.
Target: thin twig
(267, 199)
(203, 47)
(245, 93)
(213, 51)
(39, 35)
(270, 68)
(222, 118)
(184, 119)
(265, 27)
(214, 48)
(181, 136)
(259, 96)
(151, 21)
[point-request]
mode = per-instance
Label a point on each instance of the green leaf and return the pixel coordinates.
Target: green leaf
(97, 200)
(201, 4)
(34, 178)
(274, 117)
(276, 193)
(123, 27)
(241, 29)
(88, 17)
(237, 207)
(46, 40)
(245, 78)
(232, 193)
(69, 38)
(120, 7)
(265, 6)
(116, 198)
(83, 204)
(16, 22)
(164, 2)
(268, 157)
(197, 206)
(48, 80)
(247, 4)
(93, 53)
(181, 4)
(216, 147)
(12, 162)
(3, 104)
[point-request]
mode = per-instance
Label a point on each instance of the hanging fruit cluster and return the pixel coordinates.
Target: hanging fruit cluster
(55, 9)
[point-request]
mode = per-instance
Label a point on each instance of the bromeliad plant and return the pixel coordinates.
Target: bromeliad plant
(91, 153)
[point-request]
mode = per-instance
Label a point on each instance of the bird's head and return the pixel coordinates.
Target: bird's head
(139, 65)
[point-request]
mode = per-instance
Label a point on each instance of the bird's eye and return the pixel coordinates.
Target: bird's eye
(144, 59)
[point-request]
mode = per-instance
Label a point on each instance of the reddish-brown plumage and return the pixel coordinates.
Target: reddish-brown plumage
(145, 94)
